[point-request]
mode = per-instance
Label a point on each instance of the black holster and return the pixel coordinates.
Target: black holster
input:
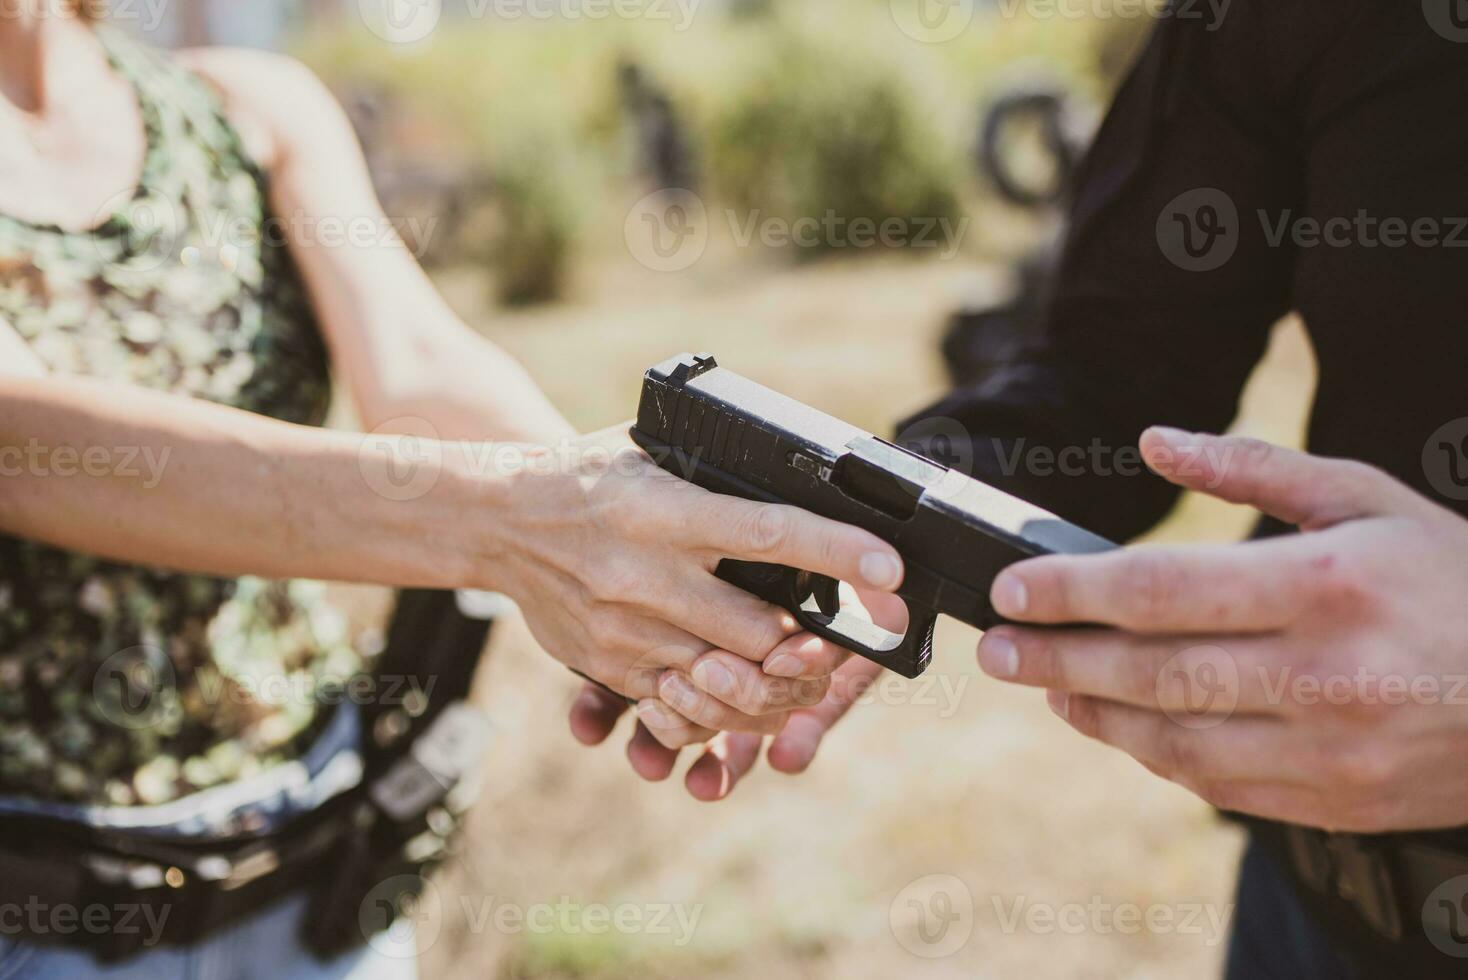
(423, 745)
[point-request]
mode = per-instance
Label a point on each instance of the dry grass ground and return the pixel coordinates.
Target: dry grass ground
(954, 775)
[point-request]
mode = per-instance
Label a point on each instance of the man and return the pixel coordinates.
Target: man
(1304, 156)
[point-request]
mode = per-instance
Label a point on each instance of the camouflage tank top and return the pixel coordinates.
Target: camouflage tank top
(124, 684)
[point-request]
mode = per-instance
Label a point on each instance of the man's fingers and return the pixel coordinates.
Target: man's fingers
(650, 759)
(728, 757)
(1238, 748)
(1297, 488)
(795, 747)
(782, 535)
(670, 728)
(594, 714)
(1171, 673)
(1253, 587)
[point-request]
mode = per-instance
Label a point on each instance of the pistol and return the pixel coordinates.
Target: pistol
(725, 433)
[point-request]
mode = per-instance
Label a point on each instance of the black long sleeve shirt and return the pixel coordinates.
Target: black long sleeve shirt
(1313, 155)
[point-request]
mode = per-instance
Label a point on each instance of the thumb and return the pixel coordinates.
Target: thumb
(1312, 492)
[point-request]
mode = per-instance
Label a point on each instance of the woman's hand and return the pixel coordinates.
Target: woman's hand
(612, 562)
(731, 754)
(1320, 679)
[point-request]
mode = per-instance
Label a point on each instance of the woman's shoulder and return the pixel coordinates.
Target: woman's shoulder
(272, 100)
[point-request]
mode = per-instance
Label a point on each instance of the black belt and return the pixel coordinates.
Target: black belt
(141, 893)
(115, 893)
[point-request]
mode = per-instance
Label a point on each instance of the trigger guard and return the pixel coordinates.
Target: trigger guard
(827, 593)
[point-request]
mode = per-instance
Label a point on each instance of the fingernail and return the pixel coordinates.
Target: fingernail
(1010, 596)
(1059, 702)
(713, 677)
(998, 656)
(676, 690)
(657, 716)
(1170, 435)
(880, 570)
(784, 665)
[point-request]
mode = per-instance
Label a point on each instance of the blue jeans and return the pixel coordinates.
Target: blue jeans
(1274, 937)
(267, 945)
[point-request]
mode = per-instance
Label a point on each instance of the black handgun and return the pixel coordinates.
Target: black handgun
(727, 434)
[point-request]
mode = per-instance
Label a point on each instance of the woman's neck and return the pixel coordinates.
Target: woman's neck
(32, 32)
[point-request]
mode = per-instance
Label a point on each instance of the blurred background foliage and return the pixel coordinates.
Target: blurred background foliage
(787, 115)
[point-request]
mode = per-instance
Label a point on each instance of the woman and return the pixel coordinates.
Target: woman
(173, 296)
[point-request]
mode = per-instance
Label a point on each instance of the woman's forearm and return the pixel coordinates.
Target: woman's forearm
(146, 477)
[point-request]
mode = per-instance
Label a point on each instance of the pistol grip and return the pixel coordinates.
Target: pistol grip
(813, 601)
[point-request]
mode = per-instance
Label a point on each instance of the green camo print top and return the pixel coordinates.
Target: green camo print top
(122, 684)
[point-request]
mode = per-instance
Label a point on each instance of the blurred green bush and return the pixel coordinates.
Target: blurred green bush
(794, 110)
(818, 126)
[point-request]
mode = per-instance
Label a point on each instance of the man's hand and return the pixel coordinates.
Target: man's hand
(814, 702)
(1317, 679)
(729, 755)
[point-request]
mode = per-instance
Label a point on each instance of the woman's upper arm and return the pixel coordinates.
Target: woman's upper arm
(366, 285)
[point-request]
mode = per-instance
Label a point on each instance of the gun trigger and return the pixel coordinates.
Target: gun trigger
(827, 592)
